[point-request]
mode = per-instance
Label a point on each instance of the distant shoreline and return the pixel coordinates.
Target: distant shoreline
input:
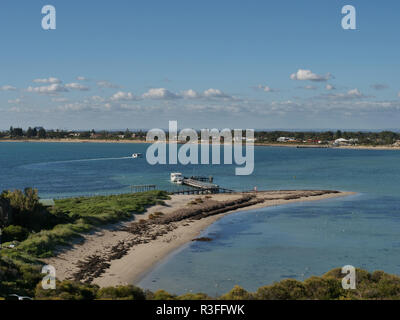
(301, 146)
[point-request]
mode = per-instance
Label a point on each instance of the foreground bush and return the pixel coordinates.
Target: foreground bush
(376, 285)
(67, 290)
(48, 228)
(121, 293)
(14, 233)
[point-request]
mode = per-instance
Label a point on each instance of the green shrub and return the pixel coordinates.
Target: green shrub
(288, 289)
(194, 296)
(121, 293)
(163, 295)
(14, 233)
(237, 293)
(67, 290)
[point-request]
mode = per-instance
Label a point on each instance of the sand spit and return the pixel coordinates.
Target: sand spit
(124, 253)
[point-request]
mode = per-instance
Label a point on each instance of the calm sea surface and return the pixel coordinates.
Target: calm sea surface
(250, 248)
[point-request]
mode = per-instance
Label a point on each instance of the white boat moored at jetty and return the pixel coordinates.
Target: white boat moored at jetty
(177, 177)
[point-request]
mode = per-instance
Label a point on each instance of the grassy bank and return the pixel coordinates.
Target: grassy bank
(20, 266)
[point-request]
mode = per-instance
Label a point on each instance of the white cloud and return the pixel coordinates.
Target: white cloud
(48, 80)
(330, 87)
(97, 99)
(50, 89)
(160, 93)
(349, 95)
(81, 78)
(354, 93)
(7, 88)
(214, 93)
(107, 84)
(122, 96)
(303, 74)
(15, 101)
(76, 86)
(266, 88)
(190, 94)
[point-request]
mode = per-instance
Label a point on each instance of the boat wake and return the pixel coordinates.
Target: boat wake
(42, 164)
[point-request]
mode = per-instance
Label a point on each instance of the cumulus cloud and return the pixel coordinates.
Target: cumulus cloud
(160, 93)
(266, 88)
(7, 88)
(190, 94)
(303, 75)
(76, 86)
(330, 87)
(215, 93)
(351, 94)
(97, 98)
(50, 89)
(122, 96)
(47, 80)
(207, 94)
(15, 101)
(81, 78)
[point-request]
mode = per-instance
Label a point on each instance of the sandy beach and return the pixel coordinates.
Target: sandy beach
(286, 145)
(114, 255)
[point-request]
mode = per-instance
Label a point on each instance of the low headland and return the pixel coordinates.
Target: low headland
(123, 254)
(101, 246)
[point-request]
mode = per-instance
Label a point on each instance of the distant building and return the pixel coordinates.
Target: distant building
(285, 139)
(74, 134)
(341, 141)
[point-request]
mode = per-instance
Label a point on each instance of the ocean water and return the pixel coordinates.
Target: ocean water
(249, 248)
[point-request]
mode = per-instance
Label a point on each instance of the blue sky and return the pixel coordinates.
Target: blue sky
(235, 64)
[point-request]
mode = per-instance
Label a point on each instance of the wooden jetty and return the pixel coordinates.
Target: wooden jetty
(209, 179)
(200, 186)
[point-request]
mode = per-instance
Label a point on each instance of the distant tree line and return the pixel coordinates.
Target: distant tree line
(363, 137)
(41, 133)
(366, 138)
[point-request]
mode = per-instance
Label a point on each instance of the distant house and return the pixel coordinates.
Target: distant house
(314, 141)
(47, 202)
(285, 139)
(95, 135)
(341, 140)
(74, 134)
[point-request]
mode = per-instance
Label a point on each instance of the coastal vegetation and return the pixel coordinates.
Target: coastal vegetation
(31, 231)
(370, 286)
(381, 138)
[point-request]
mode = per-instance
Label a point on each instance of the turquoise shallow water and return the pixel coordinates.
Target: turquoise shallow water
(250, 248)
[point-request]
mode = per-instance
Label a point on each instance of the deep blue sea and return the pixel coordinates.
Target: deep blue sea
(250, 248)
